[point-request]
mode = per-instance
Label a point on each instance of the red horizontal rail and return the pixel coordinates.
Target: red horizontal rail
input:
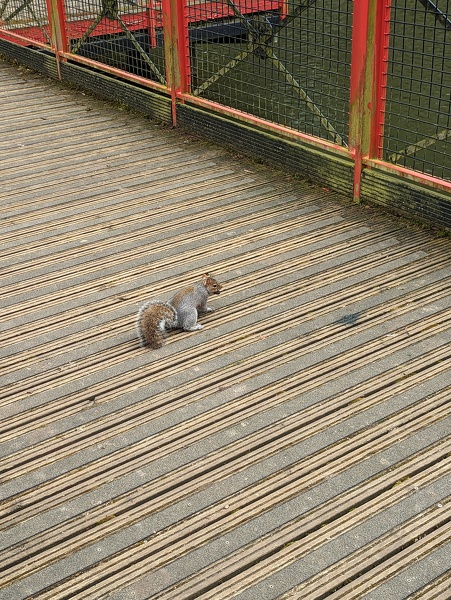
(266, 125)
(113, 70)
(441, 185)
(22, 40)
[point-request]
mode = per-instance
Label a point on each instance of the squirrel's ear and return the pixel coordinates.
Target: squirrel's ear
(205, 276)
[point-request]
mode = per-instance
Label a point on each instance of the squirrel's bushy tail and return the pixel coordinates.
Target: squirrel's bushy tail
(153, 319)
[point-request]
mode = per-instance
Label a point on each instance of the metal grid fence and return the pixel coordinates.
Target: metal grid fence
(289, 64)
(31, 15)
(418, 109)
(121, 34)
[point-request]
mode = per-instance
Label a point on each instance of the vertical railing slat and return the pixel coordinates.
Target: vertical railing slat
(361, 61)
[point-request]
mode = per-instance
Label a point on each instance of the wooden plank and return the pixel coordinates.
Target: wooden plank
(298, 445)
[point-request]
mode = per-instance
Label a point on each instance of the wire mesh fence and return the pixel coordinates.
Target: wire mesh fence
(126, 35)
(286, 63)
(31, 15)
(418, 109)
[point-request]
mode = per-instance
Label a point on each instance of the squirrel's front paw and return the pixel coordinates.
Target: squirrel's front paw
(209, 309)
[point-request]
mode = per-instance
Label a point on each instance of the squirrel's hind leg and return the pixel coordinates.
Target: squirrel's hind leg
(189, 322)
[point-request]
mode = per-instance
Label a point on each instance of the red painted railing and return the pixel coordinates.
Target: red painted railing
(178, 26)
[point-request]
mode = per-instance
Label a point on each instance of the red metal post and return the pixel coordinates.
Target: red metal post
(57, 19)
(184, 47)
(176, 42)
(370, 38)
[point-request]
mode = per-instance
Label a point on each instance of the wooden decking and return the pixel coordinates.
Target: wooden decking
(296, 447)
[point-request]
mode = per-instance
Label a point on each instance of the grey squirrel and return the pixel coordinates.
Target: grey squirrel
(181, 311)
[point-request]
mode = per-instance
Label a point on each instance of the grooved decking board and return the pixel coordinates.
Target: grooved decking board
(296, 447)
